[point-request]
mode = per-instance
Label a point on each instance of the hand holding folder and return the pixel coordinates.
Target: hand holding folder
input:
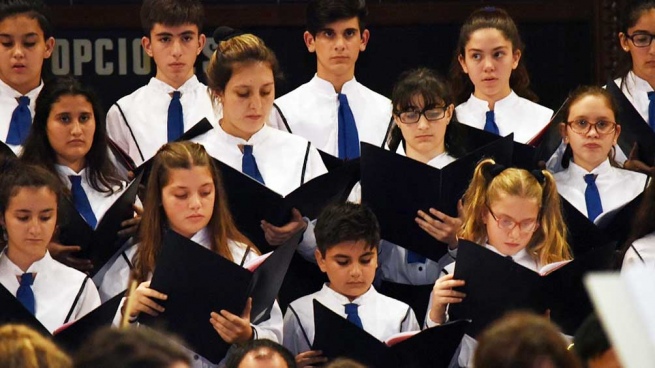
(495, 285)
(198, 282)
(337, 337)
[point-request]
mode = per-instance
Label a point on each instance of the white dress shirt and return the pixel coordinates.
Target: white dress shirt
(615, 186)
(381, 316)
(146, 111)
(8, 103)
(55, 288)
(646, 248)
(636, 91)
(512, 114)
(311, 111)
(270, 329)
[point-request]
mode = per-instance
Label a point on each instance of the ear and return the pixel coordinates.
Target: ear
(320, 261)
(516, 57)
(2, 220)
(617, 133)
(449, 112)
(309, 41)
(49, 47)
(366, 35)
(462, 63)
(202, 40)
(623, 40)
(145, 42)
(563, 132)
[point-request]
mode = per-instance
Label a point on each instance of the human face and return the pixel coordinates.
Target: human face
(590, 149)
(174, 49)
(188, 199)
(424, 140)
(262, 357)
(643, 58)
(489, 59)
(350, 266)
(23, 48)
(337, 48)
(247, 99)
(70, 128)
(29, 219)
(522, 211)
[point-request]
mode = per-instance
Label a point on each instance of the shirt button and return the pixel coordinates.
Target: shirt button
(196, 357)
(420, 268)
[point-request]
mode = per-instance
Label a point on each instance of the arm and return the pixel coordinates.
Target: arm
(441, 226)
(442, 295)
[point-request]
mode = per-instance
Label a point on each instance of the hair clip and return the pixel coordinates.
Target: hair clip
(224, 33)
(492, 171)
(539, 175)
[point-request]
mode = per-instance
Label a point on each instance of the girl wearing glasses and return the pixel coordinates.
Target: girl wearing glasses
(590, 181)
(490, 79)
(512, 212)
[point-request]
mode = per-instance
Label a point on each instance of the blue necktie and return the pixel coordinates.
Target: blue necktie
(348, 136)
(352, 315)
(175, 118)
(81, 201)
(651, 109)
(25, 295)
(490, 123)
(21, 120)
(249, 165)
(413, 257)
(592, 197)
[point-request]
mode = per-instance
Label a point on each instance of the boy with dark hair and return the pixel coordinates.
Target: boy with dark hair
(174, 100)
(348, 236)
(25, 42)
(333, 110)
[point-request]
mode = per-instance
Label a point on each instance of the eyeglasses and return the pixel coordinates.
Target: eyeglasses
(641, 39)
(413, 116)
(507, 224)
(582, 126)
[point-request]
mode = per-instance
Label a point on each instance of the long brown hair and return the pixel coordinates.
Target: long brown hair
(548, 243)
(182, 155)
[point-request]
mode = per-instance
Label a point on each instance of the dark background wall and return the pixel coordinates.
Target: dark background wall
(99, 42)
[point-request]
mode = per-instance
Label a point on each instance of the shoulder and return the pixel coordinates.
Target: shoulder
(304, 306)
(300, 93)
(65, 275)
(127, 99)
(534, 108)
(372, 96)
(390, 304)
(286, 138)
(631, 178)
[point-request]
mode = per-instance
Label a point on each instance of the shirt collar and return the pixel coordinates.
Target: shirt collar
(325, 87)
(521, 257)
(256, 138)
(5, 89)
(578, 171)
(202, 237)
(162, 86)
(634, 83)
(503, 103)
(35, 267)
(65, 171)
(343, 300)
(438, 161)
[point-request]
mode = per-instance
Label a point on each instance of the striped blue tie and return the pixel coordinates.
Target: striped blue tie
(490, 123)
(21, 120)
(175, 118)
(592, 197)
(348, 136)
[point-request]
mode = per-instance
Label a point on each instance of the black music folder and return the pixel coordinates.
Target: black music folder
(395, 187)
(496, 285)
(337, 337)
(251, 202)
(199, 281)
(99, 244)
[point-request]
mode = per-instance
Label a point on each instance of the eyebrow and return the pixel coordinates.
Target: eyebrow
(248, 85)
(494, 49)
(24, 211)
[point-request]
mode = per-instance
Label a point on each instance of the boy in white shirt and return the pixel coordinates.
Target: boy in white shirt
(333, 110)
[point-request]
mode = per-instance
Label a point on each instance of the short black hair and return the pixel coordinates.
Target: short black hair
(236, 355)
(320, 13)
(341, 222)
(171, 13)
(590, 340)
(130, 348)
(34, 9)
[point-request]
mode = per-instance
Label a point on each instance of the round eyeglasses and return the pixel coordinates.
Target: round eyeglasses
(507, 224)
(582, 126)
(413, 116)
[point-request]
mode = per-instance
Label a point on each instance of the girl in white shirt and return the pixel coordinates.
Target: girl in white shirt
(185, 195)
(54, 293)
(515, 213)
(490, 80)
(591, 132)
(69, 139)
(639, 249)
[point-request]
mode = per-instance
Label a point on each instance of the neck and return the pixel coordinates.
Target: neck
(26, 88)
(492, 99)
(233, 130)
(587, 165)
(175, 83)
(424, 156)
(21, 259)
(75, 165)
(650, 79)
(337, 80)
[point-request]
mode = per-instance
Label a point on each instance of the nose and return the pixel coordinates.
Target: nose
(35, 227)
(18, 51)
(194, 202)
(177, 48)
(256, 101)
(355, 271)
(340, 42)
(515, 233)
(423, 122)
(76, 128)
(488, 64)
(592, 133)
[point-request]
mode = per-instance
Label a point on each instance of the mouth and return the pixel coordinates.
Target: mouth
(253, 117)
(176, 65)
(512, 245)
(19, 67)
(195, 217)
(425, 136)
(591, 145)
(489, 79)
(76, 142)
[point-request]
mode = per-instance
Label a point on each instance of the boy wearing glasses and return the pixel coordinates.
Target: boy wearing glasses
(333, 110)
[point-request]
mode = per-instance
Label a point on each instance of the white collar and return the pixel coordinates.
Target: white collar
(578, 171)
(255, 139)
(503, 103)
(343, 300)
(5, 89)
(326, 87)
(202, 237)
(162, 86)
(35, 267)
(637, 84)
